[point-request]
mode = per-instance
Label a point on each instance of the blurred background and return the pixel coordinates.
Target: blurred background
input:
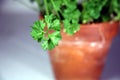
(21, 58)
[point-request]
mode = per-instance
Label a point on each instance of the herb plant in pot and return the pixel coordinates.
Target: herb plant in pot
(77, 35)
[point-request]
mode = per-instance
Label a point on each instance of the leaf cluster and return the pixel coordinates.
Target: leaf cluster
(71, 14)
(47, 31)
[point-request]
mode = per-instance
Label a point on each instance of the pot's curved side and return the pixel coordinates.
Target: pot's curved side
(82, 56)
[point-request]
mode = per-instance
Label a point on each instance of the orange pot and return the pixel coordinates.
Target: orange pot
(82, 56)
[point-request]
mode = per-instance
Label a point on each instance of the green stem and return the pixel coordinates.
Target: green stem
(54, 6)
(46, 7)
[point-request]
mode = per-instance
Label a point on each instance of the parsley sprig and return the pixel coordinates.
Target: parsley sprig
(47, 31)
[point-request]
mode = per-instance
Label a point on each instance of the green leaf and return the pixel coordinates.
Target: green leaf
(44, 45)
(38, 30)
(47, 44)
(70, 4)
(55, 37)
(55, 25)
(48, 40)
(57, 4)
(50, 45)
(71, 14)
(52, 22)
(92, 10)
(48, 20)
(115, 7)
(71, 27)
(52, 41)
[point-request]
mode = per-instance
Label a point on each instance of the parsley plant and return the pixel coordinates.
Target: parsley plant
(71, 14)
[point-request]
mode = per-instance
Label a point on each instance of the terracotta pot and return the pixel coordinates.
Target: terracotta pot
(82, 56)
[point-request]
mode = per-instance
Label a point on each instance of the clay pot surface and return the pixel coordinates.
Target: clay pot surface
(82, 56)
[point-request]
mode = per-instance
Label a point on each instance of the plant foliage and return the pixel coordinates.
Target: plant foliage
(70, 13)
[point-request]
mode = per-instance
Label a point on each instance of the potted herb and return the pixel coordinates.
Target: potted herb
(77, 35)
